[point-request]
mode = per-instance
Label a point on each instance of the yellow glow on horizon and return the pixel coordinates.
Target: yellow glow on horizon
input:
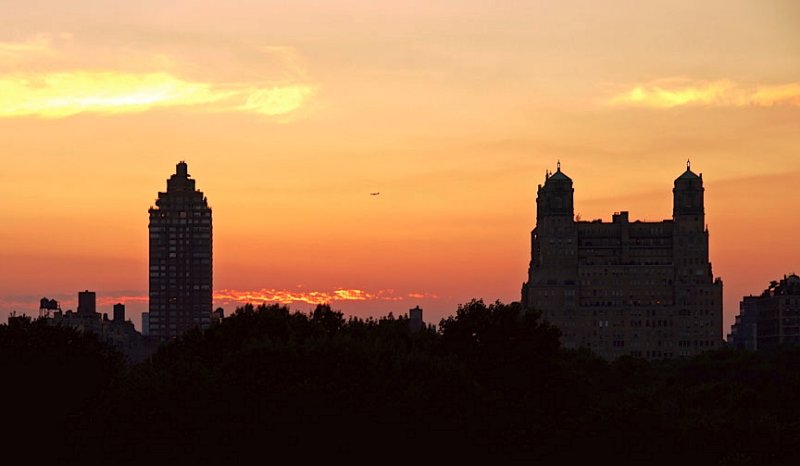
(724, 92)
(62, 94)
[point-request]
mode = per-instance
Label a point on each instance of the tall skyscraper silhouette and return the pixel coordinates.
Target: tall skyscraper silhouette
(180, 258)
(626, 287)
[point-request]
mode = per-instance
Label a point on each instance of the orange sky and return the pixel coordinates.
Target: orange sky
(290, 113)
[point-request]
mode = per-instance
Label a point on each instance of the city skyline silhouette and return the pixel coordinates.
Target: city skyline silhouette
(292, 116)
(550, 232)
(305, 299)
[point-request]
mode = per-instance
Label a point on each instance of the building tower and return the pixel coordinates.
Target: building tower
(553, 267)
(415, 319)
(697, 294)
(119, 313)
(87, 304)
(180, 258)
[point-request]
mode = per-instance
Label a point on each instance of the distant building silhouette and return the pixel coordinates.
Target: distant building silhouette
(119, 312)
(625, 288)
(415, 319)
(180, 258)
(771, 319)
(744, 331)
(118, 332)
(217, 315)
(87, 303)
(47, 305)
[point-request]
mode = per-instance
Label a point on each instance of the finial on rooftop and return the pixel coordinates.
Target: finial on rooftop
(558, 166)
(688, 164)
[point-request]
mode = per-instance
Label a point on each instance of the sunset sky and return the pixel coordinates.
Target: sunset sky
(290, 113)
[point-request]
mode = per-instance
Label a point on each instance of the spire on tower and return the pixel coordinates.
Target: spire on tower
(558, 166)
(182, 169)
(688, 164)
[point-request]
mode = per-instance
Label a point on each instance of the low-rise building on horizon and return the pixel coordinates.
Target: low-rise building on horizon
(415, 321)
(117, 332)
(769, 320)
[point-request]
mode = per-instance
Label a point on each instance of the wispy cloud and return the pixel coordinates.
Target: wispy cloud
(37, 43)
(125, 299)
(62, 94)
(678, 92)
(278, 100)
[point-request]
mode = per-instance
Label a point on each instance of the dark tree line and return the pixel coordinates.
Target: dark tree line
(490, 384)
(49, 375)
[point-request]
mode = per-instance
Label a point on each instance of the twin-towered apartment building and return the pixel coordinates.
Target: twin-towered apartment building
(644, 289)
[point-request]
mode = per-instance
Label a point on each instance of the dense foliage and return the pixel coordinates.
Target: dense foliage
(50, 374)
(491, 383)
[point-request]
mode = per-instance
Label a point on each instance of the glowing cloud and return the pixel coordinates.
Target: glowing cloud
(722, 93)
(311, 297)
(57, 95)
(63, 94)
(234, 297)
(27, 91)
(277, 100)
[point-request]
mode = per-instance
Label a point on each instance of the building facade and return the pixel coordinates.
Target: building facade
(146, 324)
(744, 330)
(180, 259)
(624, 287)
(771, 319)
